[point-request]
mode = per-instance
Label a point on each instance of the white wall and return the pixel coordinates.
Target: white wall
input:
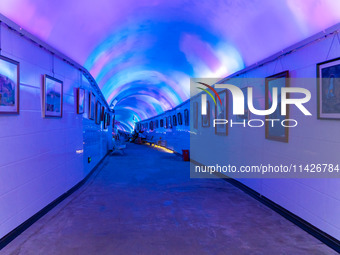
(176, 138)
(38, 157)
(313, 141)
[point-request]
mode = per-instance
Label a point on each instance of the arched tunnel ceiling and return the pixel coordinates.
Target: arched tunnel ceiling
(142, 52)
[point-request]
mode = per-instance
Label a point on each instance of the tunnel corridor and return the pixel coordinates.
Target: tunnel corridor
(169, 127)
(144, 202)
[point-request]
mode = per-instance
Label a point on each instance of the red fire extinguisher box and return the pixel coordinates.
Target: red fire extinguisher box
(186, 155)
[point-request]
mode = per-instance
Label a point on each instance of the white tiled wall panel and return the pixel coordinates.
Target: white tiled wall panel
(315, 200)
(40, 159)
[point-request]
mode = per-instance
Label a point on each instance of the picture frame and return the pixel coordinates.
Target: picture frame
(102, 113)
(108, 119)
(206, 118)
(80, 101)
(328, 89)
(92, 105)
(246, 115)
(52, 97)
(179, 118)
(9, 86)
(105, 120)
(174, 120)
(169, 122)
(276, 132)
(113, 122)
(186, 117)
(98, 112)
(195, 111)
(221, 112)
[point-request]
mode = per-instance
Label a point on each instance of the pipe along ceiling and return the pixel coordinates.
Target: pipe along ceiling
(142, 53)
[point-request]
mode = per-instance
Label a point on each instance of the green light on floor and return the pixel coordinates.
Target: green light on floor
(89, 160)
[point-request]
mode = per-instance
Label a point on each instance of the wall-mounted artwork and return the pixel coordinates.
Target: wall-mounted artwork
(108, 119)
(166, 123)
(169, 122)
(246, 115)
(52, 92)
(221, 112)
(206, 118)
(276, 132)
(92, 102)
(179, 118)
(80, 100)
(174, 120)
(195, 111)
(98, 112)
(102, 116)
(328, 74)
(105, 120)
(9, 85)
(186, 117)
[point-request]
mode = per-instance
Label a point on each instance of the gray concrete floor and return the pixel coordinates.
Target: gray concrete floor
(144, 202)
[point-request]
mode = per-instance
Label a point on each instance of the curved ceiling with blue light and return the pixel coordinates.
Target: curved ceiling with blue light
(142, 53)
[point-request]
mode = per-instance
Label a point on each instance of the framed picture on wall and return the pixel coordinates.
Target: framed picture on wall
(9, 85)
(276, 132)
(108, 119)
(92, 105)
(195, 111)
(206, 118)
(102, 116)
(221, 112)
(174, 120)
(169, 122)
(98, 112)
(179, 118)
(105, 120)
(113, 122)
(186, 117)
(246, 115)
(328, 89)
(80, 100)
(52, 91)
